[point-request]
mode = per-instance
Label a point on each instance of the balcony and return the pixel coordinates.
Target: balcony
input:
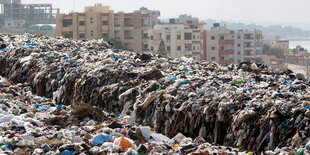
(226, 41)
(117, 25)
(226, 52)
(128, 38)
(145, 39)
(248, 47)
(128, 25)
(248, 39)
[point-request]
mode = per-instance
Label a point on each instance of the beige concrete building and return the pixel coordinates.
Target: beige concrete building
(248, 46)
(180, 40)
(226, 46)
(220, 45)
(283, 43)
(100, 22)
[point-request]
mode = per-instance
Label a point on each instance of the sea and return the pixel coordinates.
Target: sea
(304, 43)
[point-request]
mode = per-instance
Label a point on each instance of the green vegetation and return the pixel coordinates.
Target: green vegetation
(162, 48)
(278, 52)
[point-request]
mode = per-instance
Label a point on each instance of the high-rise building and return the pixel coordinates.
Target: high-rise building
(180, 40)
(248, 46)
(100, 22)
(220, 44)
(226, 46)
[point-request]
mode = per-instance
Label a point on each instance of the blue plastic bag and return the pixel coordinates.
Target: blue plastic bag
(66, 152)
(100, 139)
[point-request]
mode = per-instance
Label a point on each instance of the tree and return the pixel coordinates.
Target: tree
(299, 49)
(278, 52)
(162, 48)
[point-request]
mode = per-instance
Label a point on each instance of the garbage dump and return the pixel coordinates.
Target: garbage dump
(61, 96)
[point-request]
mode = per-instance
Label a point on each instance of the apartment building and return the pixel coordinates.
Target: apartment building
(101, 22)
(220, 44)
(226, 46)
(180, 40)
(248, 46)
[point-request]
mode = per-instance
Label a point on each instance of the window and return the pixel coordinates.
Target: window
(238, 37)
(212, 37)
(105, 35)
(152, 48)
(105, 22)
(194, 36)
(91, 31)
(68, 34)
(91, 21)
(168, 48)
(239, 45)
(179, 37)
(168, 37)
(187, 36)
(194, 48)
(91, 18)
(212, 58)
(82, 35)
(152, 37)
(66, 22)
(81, 23)
(222, 48)
(91, 34)
(179, 48)
(212, 48)
(222, 37)
(222, 58)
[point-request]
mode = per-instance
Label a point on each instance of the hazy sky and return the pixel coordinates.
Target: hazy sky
(293, 12)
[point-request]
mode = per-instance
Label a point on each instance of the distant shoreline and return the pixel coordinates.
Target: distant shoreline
(299, 38)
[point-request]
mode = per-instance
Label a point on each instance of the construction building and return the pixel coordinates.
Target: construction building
(100, 22)
(154, 15)
(180, 40)
(17, 15)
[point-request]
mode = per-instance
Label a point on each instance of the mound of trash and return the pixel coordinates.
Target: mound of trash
(61, 96)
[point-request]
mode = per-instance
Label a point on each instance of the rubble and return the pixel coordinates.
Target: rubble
(61, 96)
